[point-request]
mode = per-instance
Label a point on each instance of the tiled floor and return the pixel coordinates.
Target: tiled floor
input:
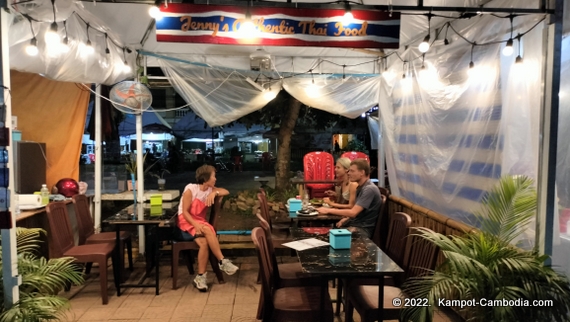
(235, 301)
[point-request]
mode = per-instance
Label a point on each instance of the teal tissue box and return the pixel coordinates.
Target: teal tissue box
(293, 214)
(294, 204)
(340, 238)
(339, 257)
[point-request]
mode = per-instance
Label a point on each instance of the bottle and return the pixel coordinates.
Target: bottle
(306, 199)
(44, 192)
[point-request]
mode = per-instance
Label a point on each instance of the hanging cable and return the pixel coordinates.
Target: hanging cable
(446, 41)
(424, 45)
(88, 46)
(519, 58)
(508, 50)
(471, 63)
(32, 48)
(51, 35)
(126, 67)
(107, 51)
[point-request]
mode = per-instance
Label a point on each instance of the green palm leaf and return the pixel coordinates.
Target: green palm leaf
(485, 265)
(41, 282)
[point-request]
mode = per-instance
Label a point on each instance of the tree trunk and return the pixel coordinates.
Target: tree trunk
(284, 149)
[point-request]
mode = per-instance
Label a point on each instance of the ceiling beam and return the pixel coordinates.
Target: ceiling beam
(541, 9)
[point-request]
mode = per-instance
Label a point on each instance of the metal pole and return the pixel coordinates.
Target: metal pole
(10, 275)
(549, 132)
(98, 158)
(140, 181)
(381, 155)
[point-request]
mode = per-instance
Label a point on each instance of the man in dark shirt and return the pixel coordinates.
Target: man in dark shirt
(364, 213)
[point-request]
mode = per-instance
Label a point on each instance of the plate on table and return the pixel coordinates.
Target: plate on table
(317, 230)
(307, 214)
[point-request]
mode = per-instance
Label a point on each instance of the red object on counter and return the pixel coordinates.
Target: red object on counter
(67, 187)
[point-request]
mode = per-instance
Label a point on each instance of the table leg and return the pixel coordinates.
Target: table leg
(381, 298)
(324, 290)
(156, 258)
(118, 272)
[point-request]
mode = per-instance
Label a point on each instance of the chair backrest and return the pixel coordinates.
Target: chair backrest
(264, 208)
(270, 246)
(353, 155)
(60, 236)
(85, 224)
(421, 255)
(384, 191)
(380, 224)
(318, 166)
(265, 267)
(397, 233)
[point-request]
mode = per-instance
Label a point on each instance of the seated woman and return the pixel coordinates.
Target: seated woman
(192, 222)
(345, 194)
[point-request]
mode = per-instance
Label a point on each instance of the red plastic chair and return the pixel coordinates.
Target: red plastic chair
(352, 155)
(318, 166)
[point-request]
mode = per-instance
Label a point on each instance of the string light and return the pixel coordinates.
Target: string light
(32, 48)
(446, 41)
(312, 90)
(154, 11)
(88, 49)
(247, 28)
(65, 43)
(424, 45)
(471, 69)
(126, 67)
(107, 51)
(348, 17)
(519, 58)
(51, 36)
(508, 50)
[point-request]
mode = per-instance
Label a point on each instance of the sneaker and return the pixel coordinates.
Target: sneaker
(200, 283)
(228, 267)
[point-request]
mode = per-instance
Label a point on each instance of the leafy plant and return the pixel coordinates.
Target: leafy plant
(484, 265)
(131, 164)
(41, 281)
(160, 173)
(356, 145)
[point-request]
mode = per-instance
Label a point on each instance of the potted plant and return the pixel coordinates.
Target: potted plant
(160, 176)
(131, 166)
(41, 281)
(485, 266)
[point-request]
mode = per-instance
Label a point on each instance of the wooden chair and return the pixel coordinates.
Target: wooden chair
(318, 166)
(62, 245)
(420, 259)
(286, 303)
(400, 222)
(179, 245)
(382, 224)
(280, 229)
(285, 274)
(87, 235)
(353, 155)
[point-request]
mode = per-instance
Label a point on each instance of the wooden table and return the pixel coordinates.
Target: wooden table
(363, 259)
(151, 224)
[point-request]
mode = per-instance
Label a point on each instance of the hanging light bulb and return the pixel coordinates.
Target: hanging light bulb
(126, 67)
(32, 48)
(269, 95)
(51, 36)
(64, 47)
(348, 18)
(424, 45)
(247, 28)
(89, 50)
(155, 13)
(508, 50)
(519, 58)
(472, 71)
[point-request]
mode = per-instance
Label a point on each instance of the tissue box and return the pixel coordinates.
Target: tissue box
(340, 238)
(340, 257)
(156, 200)
(294, 204)
(293, 214)
(156, 210)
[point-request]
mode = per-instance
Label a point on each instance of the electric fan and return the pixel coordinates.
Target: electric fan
(130, 97)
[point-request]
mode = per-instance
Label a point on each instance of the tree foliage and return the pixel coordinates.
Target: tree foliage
(281, 113)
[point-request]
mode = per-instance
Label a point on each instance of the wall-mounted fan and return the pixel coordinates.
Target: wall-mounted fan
(132, 97)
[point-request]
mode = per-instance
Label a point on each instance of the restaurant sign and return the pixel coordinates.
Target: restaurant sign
(215, 24)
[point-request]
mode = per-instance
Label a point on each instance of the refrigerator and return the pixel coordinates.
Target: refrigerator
(30, 160)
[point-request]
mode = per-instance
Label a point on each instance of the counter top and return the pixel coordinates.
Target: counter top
(167, 195)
